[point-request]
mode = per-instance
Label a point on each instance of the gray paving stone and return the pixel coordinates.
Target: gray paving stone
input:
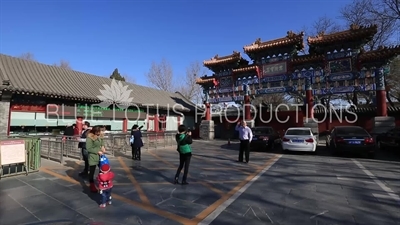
(230, 218)
(60, 212)
(74, 199)
(11, 182)
(48, 186)
(7, 203)
(224, 186)
(124, 214)
(17, 215)
(182, 208)
(22, 192)
(128, 191)
(37, 202)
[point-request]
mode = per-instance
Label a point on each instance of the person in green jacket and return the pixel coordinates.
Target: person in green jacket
(184, 140)
(95, 148)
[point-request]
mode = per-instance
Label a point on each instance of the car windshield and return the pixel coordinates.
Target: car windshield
(262, 131)
(298, 132)
(351, 131)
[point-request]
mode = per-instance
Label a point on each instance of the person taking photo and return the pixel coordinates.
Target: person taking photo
(183, 140)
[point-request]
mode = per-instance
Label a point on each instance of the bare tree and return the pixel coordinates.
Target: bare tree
(360, 12)
(363, 13)
(323, 25)
(63, 64)
(129, 79)
(389, 9)
(188, 87)
(161, 76)
(28, 56)
(393, 81)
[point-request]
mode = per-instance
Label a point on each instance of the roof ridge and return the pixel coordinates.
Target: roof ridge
(49, 80)
(83, 73)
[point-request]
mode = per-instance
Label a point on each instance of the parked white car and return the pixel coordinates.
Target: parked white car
(299, 139)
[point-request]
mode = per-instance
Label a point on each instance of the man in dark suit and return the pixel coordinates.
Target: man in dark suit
(137, 143)
(82, 146)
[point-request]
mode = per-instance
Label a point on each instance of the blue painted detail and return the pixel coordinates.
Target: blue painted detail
(274, 78)
(348, 89)
(226, 99)
(339, 77)
(245, 81)
(379, 79)
(274, 90)
(307, 73)
(308, 85)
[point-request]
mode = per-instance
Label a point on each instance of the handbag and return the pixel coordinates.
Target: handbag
(103, 160)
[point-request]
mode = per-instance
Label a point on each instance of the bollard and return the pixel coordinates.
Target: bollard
(229, 141)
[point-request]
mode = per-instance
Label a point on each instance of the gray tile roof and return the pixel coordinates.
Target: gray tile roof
(33, 77)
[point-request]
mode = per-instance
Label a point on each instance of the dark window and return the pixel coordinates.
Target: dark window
(351, 131)
(298, 132)
(262, 131)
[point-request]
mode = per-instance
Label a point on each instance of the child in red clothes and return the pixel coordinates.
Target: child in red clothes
(105, 184)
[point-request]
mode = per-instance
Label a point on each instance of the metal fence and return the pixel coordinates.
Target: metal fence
(32, 163)
(57, 147)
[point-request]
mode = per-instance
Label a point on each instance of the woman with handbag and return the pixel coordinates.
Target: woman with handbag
(95, 148)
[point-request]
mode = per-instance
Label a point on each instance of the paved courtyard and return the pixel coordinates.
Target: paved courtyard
(271, 189)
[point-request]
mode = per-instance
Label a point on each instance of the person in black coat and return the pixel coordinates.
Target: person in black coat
(69, 131)
(82, 146)
(137, 143)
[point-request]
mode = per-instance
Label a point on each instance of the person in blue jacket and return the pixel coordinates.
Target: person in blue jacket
(136, 142)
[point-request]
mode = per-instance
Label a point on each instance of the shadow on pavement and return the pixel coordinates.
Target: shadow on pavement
(72, 173)
(153, 173)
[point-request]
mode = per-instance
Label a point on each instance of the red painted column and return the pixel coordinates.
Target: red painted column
(9, 121)
(309, 104)
(125, 125)
(247, 111)
(156, 123)
(381, 104)
(179, 121)
(208, 111)
(79, 124)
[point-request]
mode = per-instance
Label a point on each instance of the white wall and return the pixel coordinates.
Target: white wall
(22, 119)
(172, 123)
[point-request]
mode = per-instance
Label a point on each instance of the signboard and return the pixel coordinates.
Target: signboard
(57, 111)
(226, 99)
(225, 82)
(224, 73)
(12, 152)
(274, 69)
(28, 108)
(340, 66)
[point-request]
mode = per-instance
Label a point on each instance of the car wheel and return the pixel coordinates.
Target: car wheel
(371, 155)
(271, 145)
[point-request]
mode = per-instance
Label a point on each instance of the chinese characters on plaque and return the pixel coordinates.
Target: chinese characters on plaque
(274, 69)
